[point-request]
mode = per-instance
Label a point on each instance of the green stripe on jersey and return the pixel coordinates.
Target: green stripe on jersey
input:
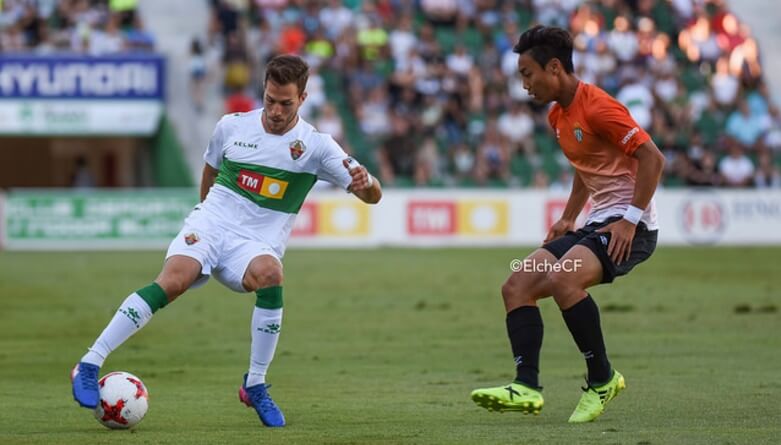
(270, 188)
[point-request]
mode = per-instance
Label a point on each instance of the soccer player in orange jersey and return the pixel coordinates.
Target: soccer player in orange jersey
(618, 166)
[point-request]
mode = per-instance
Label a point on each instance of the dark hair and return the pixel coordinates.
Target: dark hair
(286, 69)
(546, 43)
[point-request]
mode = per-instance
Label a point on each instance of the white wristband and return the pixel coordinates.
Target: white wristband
(633, 214)
(353, 163)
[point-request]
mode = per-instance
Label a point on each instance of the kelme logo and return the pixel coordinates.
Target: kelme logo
(271, 328)
(245, 145)
(132, 314)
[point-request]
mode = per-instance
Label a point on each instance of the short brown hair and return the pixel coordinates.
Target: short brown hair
(286, 69)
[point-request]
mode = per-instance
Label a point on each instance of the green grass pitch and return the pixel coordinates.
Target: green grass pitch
(384, 346)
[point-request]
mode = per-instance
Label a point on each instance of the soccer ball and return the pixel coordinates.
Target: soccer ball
(123, 400)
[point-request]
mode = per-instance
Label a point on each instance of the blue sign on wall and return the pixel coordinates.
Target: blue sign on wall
(76, 77)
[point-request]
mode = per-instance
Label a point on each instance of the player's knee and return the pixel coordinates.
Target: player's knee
(271, 277)
(509, 291)
(519, 291)
(264, 277)
(557, 281)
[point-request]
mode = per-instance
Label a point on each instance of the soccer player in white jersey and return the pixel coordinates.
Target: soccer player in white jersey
(259, 168)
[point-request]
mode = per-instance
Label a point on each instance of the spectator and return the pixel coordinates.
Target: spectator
(638, 99)
(338, 18)
(463, 161)
(397, 155)
(745, 126)
(736, 168)
(622, 41)
(767, 175)
(427, 163)
(239, 101)
(541, 181)
(725, 86)
(493, 156)
(702, 172)
(329, 122)
(197, 74)
(83, 178)
(517, 126)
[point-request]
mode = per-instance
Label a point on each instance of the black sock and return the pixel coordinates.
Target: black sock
(583, 322)
(524, 327)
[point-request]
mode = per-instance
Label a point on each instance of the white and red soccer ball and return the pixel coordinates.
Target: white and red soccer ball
(124, 400)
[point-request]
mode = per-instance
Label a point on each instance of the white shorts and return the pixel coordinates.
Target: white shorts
(222, 253)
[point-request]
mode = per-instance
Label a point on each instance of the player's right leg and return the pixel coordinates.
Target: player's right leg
(525, 329)
(178, 274)
(263, 275)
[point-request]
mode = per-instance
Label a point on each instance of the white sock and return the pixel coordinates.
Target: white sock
(266, 324)
(131, 316)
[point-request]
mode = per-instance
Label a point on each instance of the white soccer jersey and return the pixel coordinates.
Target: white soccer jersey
(264, 178)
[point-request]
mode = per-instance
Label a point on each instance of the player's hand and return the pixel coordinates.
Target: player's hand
(622, 232)
(360, 175)
(560, 228)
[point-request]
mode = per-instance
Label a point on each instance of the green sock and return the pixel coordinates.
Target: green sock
(154, 295)
(269, 297)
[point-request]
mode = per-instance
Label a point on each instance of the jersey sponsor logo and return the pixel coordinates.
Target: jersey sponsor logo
(245, 145)
(578, 130)
(297, 148)
(629, 135)
(273, 188)
(261, 185)
(191, 238)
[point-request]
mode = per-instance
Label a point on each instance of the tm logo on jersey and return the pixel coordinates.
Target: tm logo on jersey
(245, 145)
(261, 185)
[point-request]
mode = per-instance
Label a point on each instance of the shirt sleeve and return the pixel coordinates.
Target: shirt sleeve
(612, 121)
(215, 149)
(331, 168)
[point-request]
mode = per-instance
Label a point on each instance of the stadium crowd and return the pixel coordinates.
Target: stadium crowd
(428, 89)
(92, 27)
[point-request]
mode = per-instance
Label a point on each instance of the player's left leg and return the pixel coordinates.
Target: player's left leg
(264, 276)
(581, 269)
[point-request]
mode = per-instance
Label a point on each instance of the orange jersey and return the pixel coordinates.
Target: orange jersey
(598, 136)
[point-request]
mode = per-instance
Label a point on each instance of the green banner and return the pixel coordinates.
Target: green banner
(95, 219)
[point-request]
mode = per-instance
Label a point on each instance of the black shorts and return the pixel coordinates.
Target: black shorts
(643, 246)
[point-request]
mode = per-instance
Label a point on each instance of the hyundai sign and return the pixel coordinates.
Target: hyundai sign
(81, 95)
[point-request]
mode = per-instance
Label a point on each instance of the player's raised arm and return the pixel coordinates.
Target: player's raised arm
(365, 186)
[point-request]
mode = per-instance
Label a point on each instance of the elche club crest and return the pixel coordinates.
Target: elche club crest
(578, 132)
(191, 238)
(297, 148)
